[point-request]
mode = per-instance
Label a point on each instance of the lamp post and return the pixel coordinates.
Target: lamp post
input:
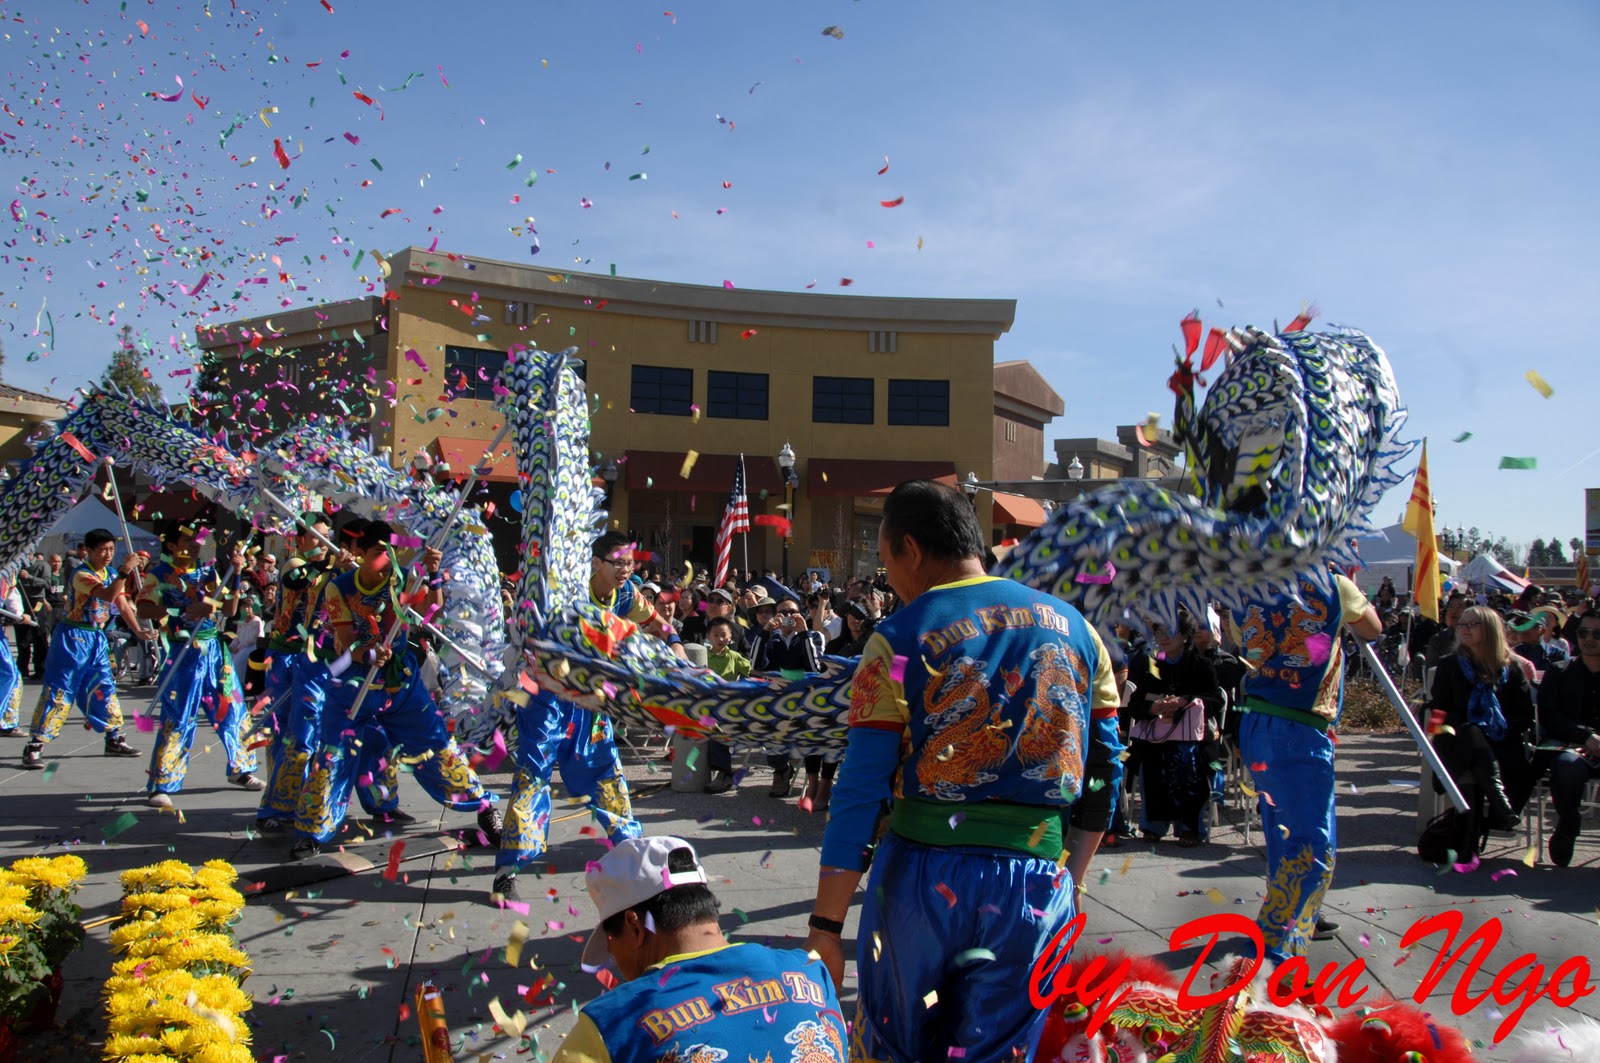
(1075, 469)
(790, 480)
(609, 473)
(969, 487)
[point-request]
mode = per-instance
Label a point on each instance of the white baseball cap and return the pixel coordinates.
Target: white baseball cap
(630, 874)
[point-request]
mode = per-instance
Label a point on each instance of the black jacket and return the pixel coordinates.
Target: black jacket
(1569, 702)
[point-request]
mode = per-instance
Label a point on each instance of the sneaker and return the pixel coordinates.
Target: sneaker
(33, 756)
(491, 822)
(272, 825)
(721, 782)
(782, 780)
(504, 889)
(1325, 929)
(395, 816)
(1561, 845)
(158, 801)
(304, 849)
(246, 781)
(117, 746)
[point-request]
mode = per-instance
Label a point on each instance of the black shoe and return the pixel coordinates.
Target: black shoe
(504, 889)
(782, 780)
(119, 747)
(1561, 846)
(273, 825)
(1325, 929)
(395, 816)
(304, 849)
(7, 732)
(247, 781)
(721, 782)
(491, 822)
(33, 759)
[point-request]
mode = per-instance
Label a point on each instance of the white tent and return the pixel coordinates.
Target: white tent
(1392, 552)
(65, 534)
(1485, 571)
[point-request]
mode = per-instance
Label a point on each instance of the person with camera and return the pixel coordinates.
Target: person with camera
(1569, 706)
(791, 648)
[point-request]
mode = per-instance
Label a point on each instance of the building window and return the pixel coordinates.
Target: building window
(1011, 431)
(742, 396)
(470, 373)
(662, 389)
(702, 332)
(919, 402)
(520, 314)
(883, 342)
(841, 399)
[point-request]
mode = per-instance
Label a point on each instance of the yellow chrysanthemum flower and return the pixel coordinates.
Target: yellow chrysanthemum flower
(164, 875)
(126, 1045)
(49, 873)
(223, 1053)
(216, 872)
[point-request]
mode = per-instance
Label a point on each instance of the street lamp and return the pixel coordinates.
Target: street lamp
(790, 480)
(1075, 470)
(609, 473)
(970, 486)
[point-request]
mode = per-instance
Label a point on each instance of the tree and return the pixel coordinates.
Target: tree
(1475, 541)
(1554, 554)
(127, 369)
(1503, 552)
(1536, 553)
(1577, 548)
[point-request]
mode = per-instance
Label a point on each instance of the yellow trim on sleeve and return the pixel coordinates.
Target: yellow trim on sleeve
(1107, 695)
(1352, 602)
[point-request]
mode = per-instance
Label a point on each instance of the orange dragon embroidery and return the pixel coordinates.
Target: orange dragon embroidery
(968, 738)
(814, 1042)
(1052, 735)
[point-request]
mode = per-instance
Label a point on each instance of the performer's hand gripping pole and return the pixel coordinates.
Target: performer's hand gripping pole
(1425, 747)
(169, 673)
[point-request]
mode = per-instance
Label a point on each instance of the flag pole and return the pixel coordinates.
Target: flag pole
(746, 532)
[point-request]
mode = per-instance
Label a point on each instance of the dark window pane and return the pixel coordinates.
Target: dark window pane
(662, 390)
(841, 400)
(470, 372)
(919, 402)
(741, 396)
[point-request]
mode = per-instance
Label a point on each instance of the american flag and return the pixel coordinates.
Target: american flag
(735, 519)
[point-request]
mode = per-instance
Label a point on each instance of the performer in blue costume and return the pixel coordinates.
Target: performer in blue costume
(361, 607)
(297, 688)
(1294, 696)
(186, 597)
(687, 996)
(553, 734)
(972, 711)
(79, 666)
(10, 678)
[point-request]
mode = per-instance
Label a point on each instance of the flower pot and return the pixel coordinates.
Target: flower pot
(9, 1043)
(45, 1004)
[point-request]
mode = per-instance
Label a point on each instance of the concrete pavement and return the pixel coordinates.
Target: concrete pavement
(336, 962)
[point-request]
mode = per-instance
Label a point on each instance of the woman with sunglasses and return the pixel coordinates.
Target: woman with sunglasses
(1488, 704)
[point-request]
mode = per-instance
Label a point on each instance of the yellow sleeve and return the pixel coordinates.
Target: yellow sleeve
(583, 1045)
(1352, 602)
(1107, 694)
(642, 610)
(84, 581)
(877, 698)
(338, 608)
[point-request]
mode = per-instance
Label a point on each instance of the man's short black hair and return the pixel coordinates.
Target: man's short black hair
(719, 621)
(374, 533)
(97, 537)
(675, 909)
(311, 517)
(173, 530)
(612, 543)
(938, 517)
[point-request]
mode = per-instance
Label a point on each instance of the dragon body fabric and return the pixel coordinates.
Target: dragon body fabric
(141, 436)
(473, 616)
(1295, 444)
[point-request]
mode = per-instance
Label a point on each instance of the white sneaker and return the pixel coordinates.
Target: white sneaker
(249, 782)
(158, 801)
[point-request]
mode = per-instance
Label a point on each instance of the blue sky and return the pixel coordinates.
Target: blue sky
(1422, 171)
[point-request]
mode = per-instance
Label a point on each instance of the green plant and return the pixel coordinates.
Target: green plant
(23, 971)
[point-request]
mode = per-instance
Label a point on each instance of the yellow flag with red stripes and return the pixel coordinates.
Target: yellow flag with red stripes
(1419, 523)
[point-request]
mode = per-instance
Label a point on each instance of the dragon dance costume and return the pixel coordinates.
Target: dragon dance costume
(727, 1005)
(974, 709)
(78, 668)
(1293, 698)
(10, 678)
(297, 690)
(398, 712)
(552, 734)
(201, 680)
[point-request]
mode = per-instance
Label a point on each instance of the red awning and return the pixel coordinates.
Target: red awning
(1018, 509)
(856, 477)
(660, 470)
(463, 455)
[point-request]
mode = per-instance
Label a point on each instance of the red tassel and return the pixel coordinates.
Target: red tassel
(1216, 343)
(1303, 319)
(1191, 331)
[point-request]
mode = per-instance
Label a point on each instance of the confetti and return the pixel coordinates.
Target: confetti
(1463, 437)
(119, 825)
(519, 934)
(895, 202)
(947, 893)
(1539, 383)
(1519, 463)
(688, 464)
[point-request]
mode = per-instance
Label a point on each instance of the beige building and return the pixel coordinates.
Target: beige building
(20, 412)
(864, 391)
